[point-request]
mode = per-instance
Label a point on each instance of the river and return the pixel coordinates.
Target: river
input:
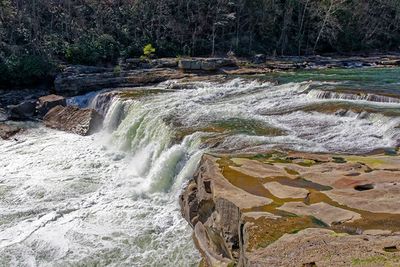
(111, 199)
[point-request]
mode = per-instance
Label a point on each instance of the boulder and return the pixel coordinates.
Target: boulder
(73, 119)
(7, 131)
(23, 111)
(45, 103)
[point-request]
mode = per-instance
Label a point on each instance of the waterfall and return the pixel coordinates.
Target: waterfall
(112, 198)
(249, 115)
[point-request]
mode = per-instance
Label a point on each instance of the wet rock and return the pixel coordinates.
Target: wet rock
(73, 119)
(363, 115)
(341, 112)
(103, 101)
(7, 131)
(23, 111)
(45, 103)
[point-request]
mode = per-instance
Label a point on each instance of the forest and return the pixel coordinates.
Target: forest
(36, 35)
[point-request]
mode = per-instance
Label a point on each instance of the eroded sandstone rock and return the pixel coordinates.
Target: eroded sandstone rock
(73, 119)
(295, 209)
(284, 191)
(322, 247)
(322, 211)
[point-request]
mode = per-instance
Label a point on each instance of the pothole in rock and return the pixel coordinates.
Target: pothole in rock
(364, 187)
(391, 249)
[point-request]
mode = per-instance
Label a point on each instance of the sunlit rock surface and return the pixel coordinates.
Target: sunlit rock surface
(73, 119)
(323, 210)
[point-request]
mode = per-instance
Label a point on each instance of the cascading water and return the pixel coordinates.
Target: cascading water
(321, 94)
(112, 198)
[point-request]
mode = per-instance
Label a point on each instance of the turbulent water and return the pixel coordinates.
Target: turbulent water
(112, 198)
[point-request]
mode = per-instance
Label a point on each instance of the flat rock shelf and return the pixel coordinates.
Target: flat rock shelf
(295, 209)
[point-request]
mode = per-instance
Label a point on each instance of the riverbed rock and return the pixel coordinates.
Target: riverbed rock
(23, 111)
(322, 211)
(45, 103)
(7, 131)
(290, 208)
(321, 247)
(284, 191)
(73, 119)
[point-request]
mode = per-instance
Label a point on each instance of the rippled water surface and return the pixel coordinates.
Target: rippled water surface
(112, 198)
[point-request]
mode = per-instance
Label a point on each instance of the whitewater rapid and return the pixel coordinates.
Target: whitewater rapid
(68, 201)
(296, 109)
(111, 199)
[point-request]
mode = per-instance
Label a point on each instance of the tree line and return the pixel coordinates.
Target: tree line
(35, 32)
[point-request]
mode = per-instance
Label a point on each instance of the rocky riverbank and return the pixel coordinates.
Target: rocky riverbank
(75, 80)
(295, 209)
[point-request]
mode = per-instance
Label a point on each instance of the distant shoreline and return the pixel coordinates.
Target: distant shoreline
(257, 64)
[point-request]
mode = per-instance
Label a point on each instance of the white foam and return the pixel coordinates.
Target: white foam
(66, 200)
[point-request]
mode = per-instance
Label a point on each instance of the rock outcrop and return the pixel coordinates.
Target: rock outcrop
(295, 209)
(79, 80)
(73, 119)
(138, 63)
(205, 64)
(45, 103)
(8, 131)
